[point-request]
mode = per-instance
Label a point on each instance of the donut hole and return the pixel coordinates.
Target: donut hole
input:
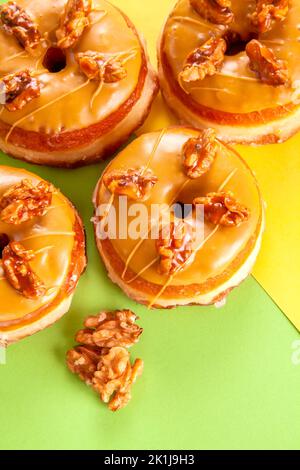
(4, 241)
(55, 60)
(236, 43)
(182, 210)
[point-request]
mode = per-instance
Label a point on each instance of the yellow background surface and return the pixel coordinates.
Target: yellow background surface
(277, 168)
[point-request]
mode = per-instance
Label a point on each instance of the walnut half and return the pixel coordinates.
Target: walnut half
(268, 13)
(115, 376)
(204, 60)
(15, 260)
(97, 67)
(222, 209)
(110, 329)
(216, 11)
(200, 153)
(19, 89)
(18, 23)
(24, 201)
(264, 63)
(134, 183)
(175, 247)
(73, 22)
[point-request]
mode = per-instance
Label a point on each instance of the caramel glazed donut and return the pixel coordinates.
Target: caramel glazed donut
(234, 65)
(76, 80)
(172, 269)
(42, 254)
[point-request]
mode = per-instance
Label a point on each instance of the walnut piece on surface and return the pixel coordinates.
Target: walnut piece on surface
(17, 271)
(265, 64)
(203, 61)
(110, 329)
(19, 89)
(102, 359)
(115, 376)
(216, 11)
(98, 67)
(17, 22)
(136, 184)
(268, 13)
(199, 154)
(24, 201)
(175, 247)
(73, 22)
(222, 209)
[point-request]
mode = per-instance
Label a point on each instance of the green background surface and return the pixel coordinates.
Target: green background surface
(214, 378)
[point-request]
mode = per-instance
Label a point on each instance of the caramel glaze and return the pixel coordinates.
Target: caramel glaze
(58, 240)
(226, 251)
(235, 92)
(60, 126)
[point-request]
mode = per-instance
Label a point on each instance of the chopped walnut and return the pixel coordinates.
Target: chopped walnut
(265, 64)
(204, 60)
(134, 183)
(73, 22)
(175, 247)
(110, 329)
(223, 209)
(115, 376)
(19, 89)
(18, 23)
(200, 153)
(15, 260)
(268, 13)
(98, 67)
(102, 359)
(24, 201)
(216, 11)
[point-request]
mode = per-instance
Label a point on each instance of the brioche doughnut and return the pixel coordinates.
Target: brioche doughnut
(42, 251)
(233, 65)
(75, 80)
(184, 166)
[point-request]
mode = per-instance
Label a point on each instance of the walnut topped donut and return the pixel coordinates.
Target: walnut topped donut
(234, 65)
(42, 254)
(179, 218)
(75, 80)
